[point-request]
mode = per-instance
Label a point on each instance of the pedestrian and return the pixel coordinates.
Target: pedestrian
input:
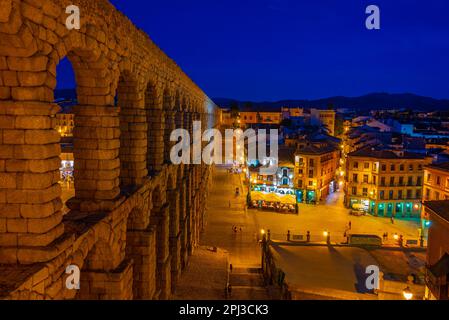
(235, 229)
(392, 220)
(230, 267)
(308, 236)
(240, 229)
(350, 225)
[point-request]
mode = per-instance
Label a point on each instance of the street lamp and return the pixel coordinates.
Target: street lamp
(407, 293)
(325, 233)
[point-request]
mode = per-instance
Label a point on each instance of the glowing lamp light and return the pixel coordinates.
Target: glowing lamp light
(416, 206)
(396, 237)
(325, 233)
(262, 231)
(407, 293)
(428, 223)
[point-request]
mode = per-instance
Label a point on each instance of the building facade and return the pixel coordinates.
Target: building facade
(315, 171)
(436, 182)
(437, 264)
(385, 183)
(325, 118)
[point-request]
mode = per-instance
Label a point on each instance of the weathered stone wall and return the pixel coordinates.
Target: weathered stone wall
(135, 217)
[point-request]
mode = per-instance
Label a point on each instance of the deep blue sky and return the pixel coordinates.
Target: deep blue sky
(299, 49)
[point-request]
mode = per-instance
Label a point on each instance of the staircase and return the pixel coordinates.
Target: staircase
(247, 283)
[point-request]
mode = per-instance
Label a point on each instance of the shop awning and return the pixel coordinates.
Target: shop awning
(273, 197)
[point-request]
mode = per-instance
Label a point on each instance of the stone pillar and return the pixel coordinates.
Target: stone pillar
(97, 164)
(160, 219)
(188, 123)
(156, 127)
(189, 210)
(133, 146)
(141, 248)
(175, 236)
(170, 126)
(183, 223)
(30, 196)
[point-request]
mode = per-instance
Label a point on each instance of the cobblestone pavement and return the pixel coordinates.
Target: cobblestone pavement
(205, 277)
(332, 216)
(226, 211)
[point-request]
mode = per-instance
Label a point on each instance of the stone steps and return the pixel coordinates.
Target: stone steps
(248, 284)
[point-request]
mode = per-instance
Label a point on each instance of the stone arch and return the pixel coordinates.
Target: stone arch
(173, 200)
(155, 129)
(169, 125)
(96, 134)
(133, 129)
(159, 219)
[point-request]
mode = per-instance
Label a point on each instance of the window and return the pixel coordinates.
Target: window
(401, 181)
(366, 165)
(311, 162)
(401, 167)
(420, 167)
(310, 183)
(418, 194)
(365, 192)
(410, 167)
(392, 181)
(355, 177)
(410, 181)
(400, 194)
(393, 167)
(382, 181)
(391, 195)
(429, 177)
(409, 194)
(310, 174)
(365, 178)
(427, 193)
(375, 180)
(299, 183)
(437, 195)
(438, 181)
(356, 165)
(382, 195)
(354, 191)
(384, 167)
(419, 181)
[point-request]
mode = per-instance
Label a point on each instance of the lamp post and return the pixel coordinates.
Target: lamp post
(407, 293)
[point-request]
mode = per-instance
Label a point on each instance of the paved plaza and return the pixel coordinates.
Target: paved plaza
(333, 217)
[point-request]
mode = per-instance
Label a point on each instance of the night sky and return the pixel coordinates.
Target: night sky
(298, 49)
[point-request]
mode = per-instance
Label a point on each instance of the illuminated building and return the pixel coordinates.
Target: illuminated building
(325, 118)
(437, 264)
(315, 170)
(384, 182)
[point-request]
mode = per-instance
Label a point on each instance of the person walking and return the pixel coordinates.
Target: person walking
(350, 225)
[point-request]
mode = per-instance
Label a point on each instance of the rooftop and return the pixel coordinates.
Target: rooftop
(441, 166)
(373, 152)
(440, 208)
(316, 149)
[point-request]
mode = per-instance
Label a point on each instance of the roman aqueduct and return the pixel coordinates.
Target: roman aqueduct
(135, 217)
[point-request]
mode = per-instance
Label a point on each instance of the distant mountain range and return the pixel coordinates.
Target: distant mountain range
(374, 101)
